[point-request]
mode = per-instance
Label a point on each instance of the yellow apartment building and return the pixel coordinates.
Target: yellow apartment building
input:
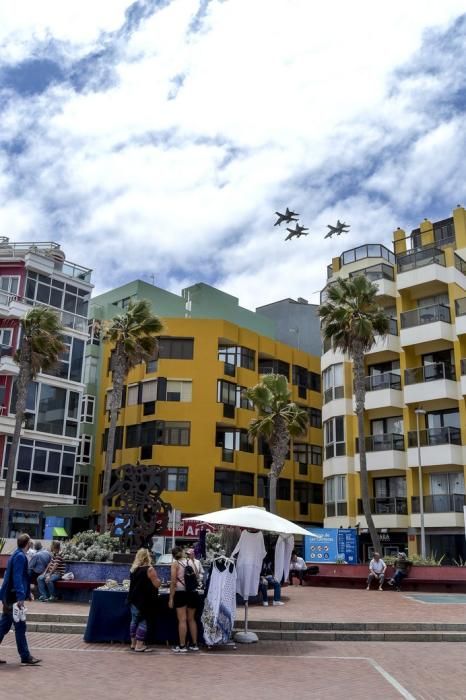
(419, 366)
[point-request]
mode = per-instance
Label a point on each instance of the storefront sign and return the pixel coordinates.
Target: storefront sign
(331, 545)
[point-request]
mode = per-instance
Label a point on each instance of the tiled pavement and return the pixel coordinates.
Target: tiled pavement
(268, 670)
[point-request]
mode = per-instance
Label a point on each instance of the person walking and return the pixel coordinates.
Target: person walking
(15, 591)
(185, 599)
(143, 589)
(54, 572)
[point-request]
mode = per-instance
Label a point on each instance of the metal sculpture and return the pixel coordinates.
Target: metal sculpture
(298, 231)
(338, 229)
(287, 217)
(139, 511)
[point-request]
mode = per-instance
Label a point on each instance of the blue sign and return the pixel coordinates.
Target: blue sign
(331, 545)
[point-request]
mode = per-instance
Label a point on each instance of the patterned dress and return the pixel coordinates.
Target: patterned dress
(218, 617)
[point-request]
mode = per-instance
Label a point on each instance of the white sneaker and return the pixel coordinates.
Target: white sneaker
(278, 602)
(265, 604)
(179, 650)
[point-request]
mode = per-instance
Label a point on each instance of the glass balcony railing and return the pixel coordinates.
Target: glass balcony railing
(460, 306)
(376, 272)
(463, 366)
(420, 258)
(430, 373)
(335, 392)
(383, 442)
(425, 314)
(440, 503)
(432, 437)
(386, 380)
(371, 250)
(460, 264)
(329, 271)
(390, 505)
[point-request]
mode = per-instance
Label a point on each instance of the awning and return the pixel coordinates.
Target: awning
(59, 532)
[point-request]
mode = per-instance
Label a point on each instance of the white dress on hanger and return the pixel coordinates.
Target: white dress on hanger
(251, 552)
(218, 616)
(283, 549)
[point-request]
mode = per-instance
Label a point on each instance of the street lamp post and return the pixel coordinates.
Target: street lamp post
(420, 412)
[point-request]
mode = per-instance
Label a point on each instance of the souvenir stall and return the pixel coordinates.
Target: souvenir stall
(244, 566)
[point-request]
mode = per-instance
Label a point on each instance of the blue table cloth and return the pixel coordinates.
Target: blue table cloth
(109, 619)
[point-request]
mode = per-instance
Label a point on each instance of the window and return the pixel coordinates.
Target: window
(118, 440)
(177, 479)
(176, 433)
(94, 328)
(149, 391)
(85, 449)
(237, 356)
(271, 366)
(43, 467)
(90, 370)
(80, 489)
(235, 439)
(87, 409)
(67, 297)
(333, 382)
(334, 437)
(179, 390)
(391, 486)
(385, 426)
(284, 489)
(226, 392)
(176, 348)
(230, 482)
(335, 496)
(315, 417)
(314, 383)
(242, 400)
(70, 362)
(132, 395)
(6, 337)
(307, 454)
(299, 378)
(8, 286)
(449, 418)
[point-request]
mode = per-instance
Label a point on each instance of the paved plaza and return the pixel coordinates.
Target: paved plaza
(269, 670)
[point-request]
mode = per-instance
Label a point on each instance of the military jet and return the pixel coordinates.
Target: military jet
(298, 231)
(287, 217)
(338, 229)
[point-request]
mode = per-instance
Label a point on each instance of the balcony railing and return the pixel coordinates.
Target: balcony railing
(425, 314)
(432, 437)
(46, 249)
(228, 455)
(460, 264)
(386, 380)
(420, 258)
(463, 366)
(460, 306)
(430, 373)
(440, 503)
(390, 505)
(383, 442)
(371, 250)
(7, 350)
(376, 272)
(329, 271)
(333, 509)
(392, 326)
(335, 392)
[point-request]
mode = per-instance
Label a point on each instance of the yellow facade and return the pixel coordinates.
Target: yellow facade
(423, 288)
(206, 415)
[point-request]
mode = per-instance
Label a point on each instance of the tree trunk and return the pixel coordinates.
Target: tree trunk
(24, 377)
(360, 394)
(278, 444)
(118, 378)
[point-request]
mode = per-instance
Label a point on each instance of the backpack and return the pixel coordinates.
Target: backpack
(190, 578)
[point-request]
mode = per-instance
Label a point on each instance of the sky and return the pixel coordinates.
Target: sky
(155, 139)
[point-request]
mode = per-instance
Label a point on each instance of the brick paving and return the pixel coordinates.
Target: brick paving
(269, 670)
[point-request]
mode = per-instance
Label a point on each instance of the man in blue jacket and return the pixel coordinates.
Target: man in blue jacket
(15, 589)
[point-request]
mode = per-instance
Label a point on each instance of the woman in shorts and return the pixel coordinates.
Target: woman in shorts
(184, 602)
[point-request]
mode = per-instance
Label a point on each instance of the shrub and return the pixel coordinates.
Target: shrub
(90, 546)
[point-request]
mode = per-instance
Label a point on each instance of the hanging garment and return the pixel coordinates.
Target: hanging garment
(251, 551)
(283, 549)
(218, 616)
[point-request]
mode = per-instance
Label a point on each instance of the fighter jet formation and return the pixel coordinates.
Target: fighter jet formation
(292, 216)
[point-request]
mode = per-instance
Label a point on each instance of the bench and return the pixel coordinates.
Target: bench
(77, 591)
(426, 578)
(311, 570)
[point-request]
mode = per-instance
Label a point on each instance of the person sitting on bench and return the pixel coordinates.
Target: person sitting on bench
(402, 566)
(377, 568)
(298, 567)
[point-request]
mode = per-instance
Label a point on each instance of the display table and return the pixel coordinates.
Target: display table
(110, 617)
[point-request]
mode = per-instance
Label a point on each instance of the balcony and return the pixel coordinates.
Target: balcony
(7, 364)
(439, 446)
(442, 383)
(426, 324)
(460, 312)
(440, 510)
(372, 250)
(385, 451)
(389, 342)
(383, 275)
(383, 390)
(387, 512)
(421, 266)
(463, 377)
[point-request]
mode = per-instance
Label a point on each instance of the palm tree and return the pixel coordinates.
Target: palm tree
(350, 320)
(132, 335)
(279, 419)
(39, 349)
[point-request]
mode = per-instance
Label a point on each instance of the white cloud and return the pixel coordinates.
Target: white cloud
(280, 103)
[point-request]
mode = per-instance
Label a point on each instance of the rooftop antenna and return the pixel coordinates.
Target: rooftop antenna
(187, 305)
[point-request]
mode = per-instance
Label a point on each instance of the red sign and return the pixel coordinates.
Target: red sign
(186, 528)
